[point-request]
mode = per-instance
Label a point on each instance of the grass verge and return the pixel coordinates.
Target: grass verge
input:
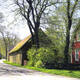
(69, 73)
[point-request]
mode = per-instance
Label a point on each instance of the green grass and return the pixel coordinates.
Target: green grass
(14, 64)
(69, 73)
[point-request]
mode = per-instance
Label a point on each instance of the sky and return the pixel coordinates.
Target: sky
(18, 27)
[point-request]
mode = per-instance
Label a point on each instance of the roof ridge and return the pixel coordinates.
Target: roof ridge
(20, 44)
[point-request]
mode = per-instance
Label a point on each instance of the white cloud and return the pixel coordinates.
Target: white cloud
(20, 27)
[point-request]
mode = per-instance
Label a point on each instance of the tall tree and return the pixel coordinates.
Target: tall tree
(9, 39)
(32, 11)
(2, 32)
(65, 15)
(70, 12)
(75, 31)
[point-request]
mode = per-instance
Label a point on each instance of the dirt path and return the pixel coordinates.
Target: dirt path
(8, 72)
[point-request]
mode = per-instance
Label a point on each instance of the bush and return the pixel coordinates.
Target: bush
(31, 56)
(39, 64)
(43, 56)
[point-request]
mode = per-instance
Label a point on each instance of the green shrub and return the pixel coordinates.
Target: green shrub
(30, 63)
(31, 56)
(39, 64)
(43, 56)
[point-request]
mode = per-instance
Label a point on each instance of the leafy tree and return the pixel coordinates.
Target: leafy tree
(56, 30)
(56, 33)
(70, 10)
(75, 31)
(9, 39)
(12, 40)
(65, 17)
(2, 32)
(2, 47)
(32, 11)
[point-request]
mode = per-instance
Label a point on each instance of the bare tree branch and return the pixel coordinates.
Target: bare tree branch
(73, 9)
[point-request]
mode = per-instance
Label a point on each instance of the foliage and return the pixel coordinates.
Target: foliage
(56, 33)
(76, 29)
(31, 56)
(33, 11)
(7, 41)
(64, 17)
(39, 64)
(43, 56)
(2, 47)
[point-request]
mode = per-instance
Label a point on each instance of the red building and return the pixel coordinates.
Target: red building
(75, 56)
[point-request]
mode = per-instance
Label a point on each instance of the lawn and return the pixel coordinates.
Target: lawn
(69, 73)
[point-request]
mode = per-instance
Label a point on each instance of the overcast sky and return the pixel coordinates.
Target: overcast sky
(20, 27)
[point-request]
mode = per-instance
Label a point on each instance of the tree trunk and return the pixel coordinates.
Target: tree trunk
(6, 52)
(31, 32)
(37, 38)
(22, 58)
(66, 50)
(5, 47)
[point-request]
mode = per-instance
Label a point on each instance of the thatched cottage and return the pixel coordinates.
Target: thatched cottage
(19, 53)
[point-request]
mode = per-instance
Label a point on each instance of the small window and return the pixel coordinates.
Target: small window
(77, 55)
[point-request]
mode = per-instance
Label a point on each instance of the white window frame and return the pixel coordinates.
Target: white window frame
(77, 52)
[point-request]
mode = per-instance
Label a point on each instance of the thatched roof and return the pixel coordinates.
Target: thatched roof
(20, 44)
(43, 39)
